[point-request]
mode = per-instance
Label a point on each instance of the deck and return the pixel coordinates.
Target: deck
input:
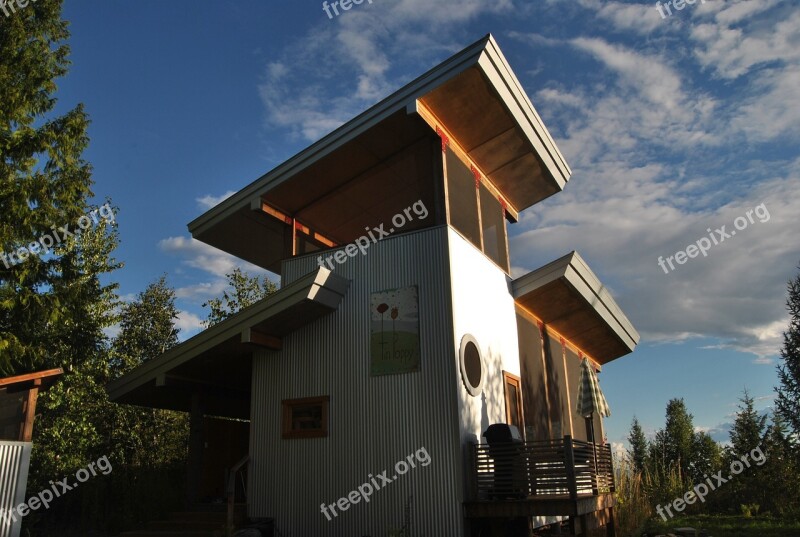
(560, 477)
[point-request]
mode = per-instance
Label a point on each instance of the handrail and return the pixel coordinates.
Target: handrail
(231, 492)
(540, 469)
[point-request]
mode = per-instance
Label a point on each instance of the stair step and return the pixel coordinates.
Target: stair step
(188, 533)
(183, 525)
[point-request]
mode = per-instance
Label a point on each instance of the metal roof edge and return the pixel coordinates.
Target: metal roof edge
(307, 286)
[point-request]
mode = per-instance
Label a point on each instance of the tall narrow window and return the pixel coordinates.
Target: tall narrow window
(494, 229)
(463, 199)
(513, 389)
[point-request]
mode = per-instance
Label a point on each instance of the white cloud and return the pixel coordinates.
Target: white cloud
(201, 256)
(344, 65)
(209, 201)
(188, 323)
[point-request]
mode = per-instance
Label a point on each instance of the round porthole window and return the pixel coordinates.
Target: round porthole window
(473, 371)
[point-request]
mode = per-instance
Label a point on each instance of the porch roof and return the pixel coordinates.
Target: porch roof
(474, 95)
(218, 360)
(566, 295)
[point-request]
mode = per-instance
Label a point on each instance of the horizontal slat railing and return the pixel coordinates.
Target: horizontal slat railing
(541, 469)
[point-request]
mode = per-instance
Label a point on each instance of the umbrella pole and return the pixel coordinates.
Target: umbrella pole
(594, 456)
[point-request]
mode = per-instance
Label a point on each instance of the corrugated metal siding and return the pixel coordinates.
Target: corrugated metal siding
(374, 421)
(14, 460)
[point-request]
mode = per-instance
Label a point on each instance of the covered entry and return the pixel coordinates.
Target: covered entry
(209, 376)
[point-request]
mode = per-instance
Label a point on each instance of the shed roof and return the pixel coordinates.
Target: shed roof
(218, 359)
(568, 296)
(474, 95)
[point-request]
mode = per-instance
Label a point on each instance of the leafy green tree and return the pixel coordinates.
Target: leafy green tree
(638, 442)
(679, 436)
(706, 457)
(44, 184)
(244, 291)
(788, 400)
(145, 436)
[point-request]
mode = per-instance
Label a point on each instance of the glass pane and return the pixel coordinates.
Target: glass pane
(305, 417)
(494, 233)
(463, 199)
(512, 398)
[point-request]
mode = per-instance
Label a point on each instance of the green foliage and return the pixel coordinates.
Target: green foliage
(638, 442)
(244, 291)
(788, 400)
(44, 182)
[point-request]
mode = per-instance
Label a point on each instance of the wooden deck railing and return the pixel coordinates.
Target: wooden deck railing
(541, 469)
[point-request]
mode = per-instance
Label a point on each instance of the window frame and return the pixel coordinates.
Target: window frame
(287, 407)
(510, 378)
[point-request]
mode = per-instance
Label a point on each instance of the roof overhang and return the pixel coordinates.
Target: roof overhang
(474, 95)
(566, 295)
(217, 362)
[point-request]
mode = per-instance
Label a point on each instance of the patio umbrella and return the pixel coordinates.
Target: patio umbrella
(591, 400)
(590, 397)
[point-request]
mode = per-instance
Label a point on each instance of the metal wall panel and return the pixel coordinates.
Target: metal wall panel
(15, 458)
(374, 421)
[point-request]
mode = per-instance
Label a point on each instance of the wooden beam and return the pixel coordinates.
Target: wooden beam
(19, 379)
(430, 118)
(256, 338)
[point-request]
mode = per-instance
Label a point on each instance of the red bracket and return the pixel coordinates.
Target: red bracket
(445, 139)
(477, 175)
(503, 204)
(562, 341)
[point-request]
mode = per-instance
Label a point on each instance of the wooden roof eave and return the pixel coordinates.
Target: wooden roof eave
(605, 333)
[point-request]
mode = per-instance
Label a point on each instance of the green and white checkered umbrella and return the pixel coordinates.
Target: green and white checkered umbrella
(590, 397)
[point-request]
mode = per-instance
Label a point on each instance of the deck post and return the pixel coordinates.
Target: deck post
(472, 474)
(569, 463)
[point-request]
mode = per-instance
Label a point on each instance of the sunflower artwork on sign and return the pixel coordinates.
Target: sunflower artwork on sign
(394, 331)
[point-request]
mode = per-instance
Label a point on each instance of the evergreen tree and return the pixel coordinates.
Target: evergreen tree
(748, 427)
(638, 442)
(788, 400)
(44, 185)
(245, 290)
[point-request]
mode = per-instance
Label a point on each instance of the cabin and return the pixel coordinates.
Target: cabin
(354, 400)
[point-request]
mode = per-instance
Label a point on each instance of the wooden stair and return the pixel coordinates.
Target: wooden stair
(203, 521)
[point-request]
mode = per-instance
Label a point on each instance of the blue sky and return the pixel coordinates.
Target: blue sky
(671, 126)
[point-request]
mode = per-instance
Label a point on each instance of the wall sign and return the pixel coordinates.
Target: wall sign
(394, 331)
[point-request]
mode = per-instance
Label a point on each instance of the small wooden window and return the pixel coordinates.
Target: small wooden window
(305, 418)
(513, 389)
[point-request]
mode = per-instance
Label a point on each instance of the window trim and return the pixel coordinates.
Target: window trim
(474, 391)
(510, 378)
(287, 405)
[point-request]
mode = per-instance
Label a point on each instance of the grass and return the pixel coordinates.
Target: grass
(727, 526)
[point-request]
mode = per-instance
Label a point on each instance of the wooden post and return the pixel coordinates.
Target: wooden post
(196, 447)
(29, 412)
(569, 462)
